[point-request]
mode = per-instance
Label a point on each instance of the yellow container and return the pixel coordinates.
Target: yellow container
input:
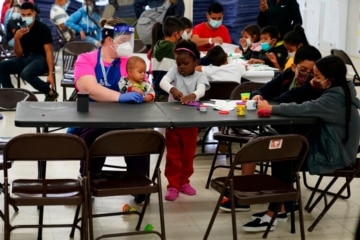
(245, 96)
(240, 108)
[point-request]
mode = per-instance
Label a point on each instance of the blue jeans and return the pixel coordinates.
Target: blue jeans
(29, 68)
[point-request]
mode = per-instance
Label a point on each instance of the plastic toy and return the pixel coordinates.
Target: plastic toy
(148, 228)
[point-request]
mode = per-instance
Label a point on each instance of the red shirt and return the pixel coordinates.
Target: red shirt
(204, 31)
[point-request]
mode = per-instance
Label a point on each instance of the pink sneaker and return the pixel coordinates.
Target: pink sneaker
(187, 189)
(172, 194)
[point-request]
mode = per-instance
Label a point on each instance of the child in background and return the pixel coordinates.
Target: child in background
(250, 41)
(163, 54)
(219, 68)
(293, 40)
(185, 85)
(272, 49)
(135, 81)
(187, 28)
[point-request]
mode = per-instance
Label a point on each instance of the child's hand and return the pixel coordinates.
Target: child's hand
(255, 60)
(271, 56)
(243, 42)
(176, 93)
(149, 98)
(217, 40)
(264, 105)
(188, 98)
(138, 90)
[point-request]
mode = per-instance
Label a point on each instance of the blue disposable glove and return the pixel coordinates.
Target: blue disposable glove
(131, 97)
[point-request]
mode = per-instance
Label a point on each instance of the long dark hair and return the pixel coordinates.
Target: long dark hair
(334, 69)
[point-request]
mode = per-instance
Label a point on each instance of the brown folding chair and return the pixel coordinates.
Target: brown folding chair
(47, 191)
(70, 52)
(347, 60)
(126, 143)
(218, 90)
(9, 97)
(347, 174)
(231, 135)
(260, 187)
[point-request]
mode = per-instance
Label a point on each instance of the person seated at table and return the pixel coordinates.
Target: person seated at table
(85, 23)
(250, 41)
(206, 34)
(188, 27)
(219, 68)
(135, 81)
(163, 58)
(293, 40)
(98, 73)
(272, 49)
(185, 85)
(337, 109)
(292, 85)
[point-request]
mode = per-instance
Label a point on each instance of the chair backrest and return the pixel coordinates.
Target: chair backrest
(220, 90)
(72, 49)
(45, 146)
(9, 97)
(347, 60)
(244, 87)
(274, 148)
(134, 142)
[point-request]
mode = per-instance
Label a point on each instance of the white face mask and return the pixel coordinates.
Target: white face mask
(124, 49)
(186, 35)
(291, 54)
(248, 42)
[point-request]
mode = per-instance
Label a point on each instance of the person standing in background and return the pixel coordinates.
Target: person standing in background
(284, 14)
(177, 7)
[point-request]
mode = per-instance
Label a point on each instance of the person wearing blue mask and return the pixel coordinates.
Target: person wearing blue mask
(34, 55)
(273, 51)
(13, 25)
(206, 34)
(85, 23)
(58, 16)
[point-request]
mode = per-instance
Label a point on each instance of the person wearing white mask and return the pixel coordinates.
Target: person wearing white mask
(34, 55)
(187, 28)
(98, 73)
(58, 16)
(250, 41)
(206, 34)
(12, 25)
(85, 23)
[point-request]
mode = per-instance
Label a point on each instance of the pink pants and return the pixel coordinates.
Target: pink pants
(181, 147)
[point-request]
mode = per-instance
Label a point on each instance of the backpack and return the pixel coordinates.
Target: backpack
(148, 18)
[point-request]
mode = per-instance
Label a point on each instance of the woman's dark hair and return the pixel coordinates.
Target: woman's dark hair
(216, 56)
(334, 69)
(186, 22)
(253, 30)
(272, 31)
(156, 34)
(296, 37)
(188, 46)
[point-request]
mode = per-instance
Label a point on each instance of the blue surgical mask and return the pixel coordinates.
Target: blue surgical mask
(15, 15)
(28, 20)
(215, 23)
(265, 46)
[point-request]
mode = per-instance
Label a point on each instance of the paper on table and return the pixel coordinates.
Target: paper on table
(222, 104)
(229, 48)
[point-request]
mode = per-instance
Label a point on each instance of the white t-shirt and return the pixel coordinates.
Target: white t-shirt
(227, 72)
(58, 16)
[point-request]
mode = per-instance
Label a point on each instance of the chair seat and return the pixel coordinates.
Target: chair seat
(67, 83)
(121, 183)
(50, 191)
(258, 188)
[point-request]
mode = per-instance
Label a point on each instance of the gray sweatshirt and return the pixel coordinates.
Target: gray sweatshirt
(330, 108)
